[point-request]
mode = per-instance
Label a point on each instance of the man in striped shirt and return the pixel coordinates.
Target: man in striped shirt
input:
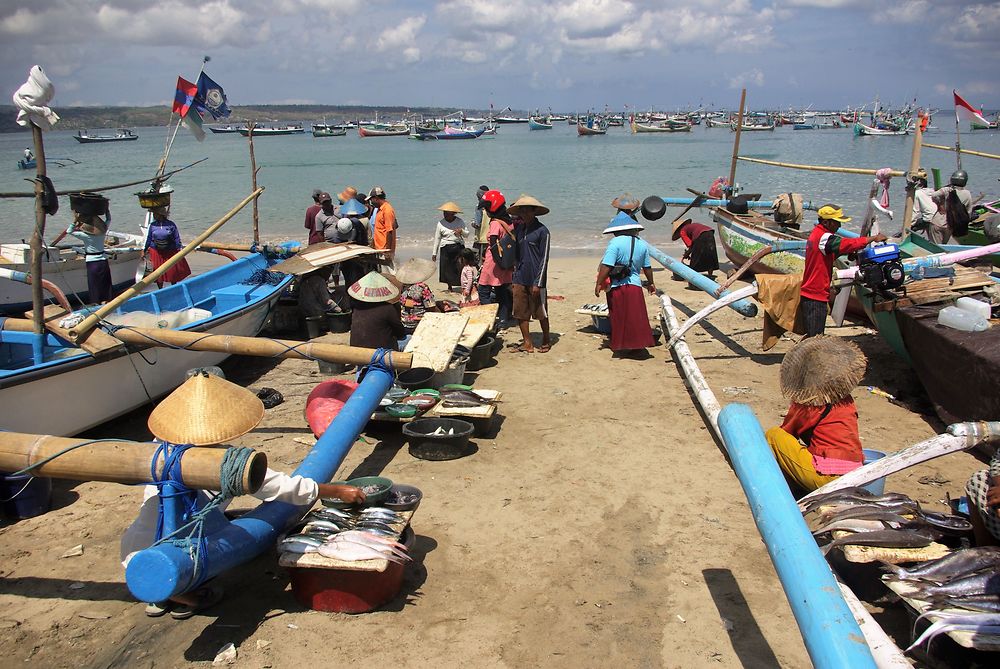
(822, 248)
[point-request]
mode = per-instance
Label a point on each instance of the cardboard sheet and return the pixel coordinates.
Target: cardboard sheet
(435, 338)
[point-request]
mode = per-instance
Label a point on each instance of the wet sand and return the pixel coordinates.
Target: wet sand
(600, 525)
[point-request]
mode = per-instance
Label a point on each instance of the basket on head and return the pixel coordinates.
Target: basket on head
(205, 410)
(151, 200)
(822, 370)
(88, 204)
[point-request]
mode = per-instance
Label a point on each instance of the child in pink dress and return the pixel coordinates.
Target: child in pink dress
(470, 277)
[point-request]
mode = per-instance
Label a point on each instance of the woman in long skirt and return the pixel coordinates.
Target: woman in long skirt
(449, 241)
(623, 260)
(162, 243)
(700, 242)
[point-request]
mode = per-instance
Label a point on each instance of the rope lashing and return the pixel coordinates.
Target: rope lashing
(191, 536)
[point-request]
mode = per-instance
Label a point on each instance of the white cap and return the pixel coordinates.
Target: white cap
(344, 226)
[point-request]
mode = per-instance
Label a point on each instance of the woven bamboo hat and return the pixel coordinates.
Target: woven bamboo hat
(348, 193)
(626, 202)
(821, 370)
(528, 201)
(677, 227)
(205, 410)
(373, 287)
(450, 206)
(414, 270)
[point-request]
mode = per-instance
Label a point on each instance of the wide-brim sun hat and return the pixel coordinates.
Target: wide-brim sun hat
(353, 208)
(450, 206)
(348, 193)
(205, 410)
(626, 202)
(414, 270)
(822, 370)
(373, 287)
(832, 212)
(676, 232)
(528, 201)
(622, 223)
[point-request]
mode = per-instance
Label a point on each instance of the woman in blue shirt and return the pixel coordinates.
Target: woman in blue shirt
(91, 230)
(630, 331)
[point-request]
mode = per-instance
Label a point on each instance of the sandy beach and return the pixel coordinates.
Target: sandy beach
(601, 525)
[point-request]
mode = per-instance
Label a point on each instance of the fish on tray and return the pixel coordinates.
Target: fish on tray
(978, 624)
(883, 539)
(463, 398)
(954, 565)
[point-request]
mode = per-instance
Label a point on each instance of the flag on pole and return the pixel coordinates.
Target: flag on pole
(185, 106)
(965, 111)
(211, 98)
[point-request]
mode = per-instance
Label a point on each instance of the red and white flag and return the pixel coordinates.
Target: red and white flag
(965, 111)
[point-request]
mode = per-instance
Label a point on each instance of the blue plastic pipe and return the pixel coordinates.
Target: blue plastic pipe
(829, 630)
(160, 572)
(745, 307)
(753, 204)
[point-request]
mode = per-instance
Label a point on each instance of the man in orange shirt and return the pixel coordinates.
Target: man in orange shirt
(385, 223)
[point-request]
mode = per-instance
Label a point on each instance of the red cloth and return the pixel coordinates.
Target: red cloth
(315, 236)
(835, 437)
(629, 318)
(822, 249)
(175, 274)
(693, 231)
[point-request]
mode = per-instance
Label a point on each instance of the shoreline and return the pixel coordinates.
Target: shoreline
(600, 521)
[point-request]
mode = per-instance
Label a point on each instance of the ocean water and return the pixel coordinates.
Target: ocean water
(576, 177)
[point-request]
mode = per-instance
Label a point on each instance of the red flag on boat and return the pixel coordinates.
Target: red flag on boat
(963, 110)
(184, 106)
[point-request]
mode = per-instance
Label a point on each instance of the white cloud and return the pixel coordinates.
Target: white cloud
(752, 77)
(402, 39)
(593, 18)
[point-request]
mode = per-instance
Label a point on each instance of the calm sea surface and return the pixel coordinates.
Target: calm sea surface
(577, 177)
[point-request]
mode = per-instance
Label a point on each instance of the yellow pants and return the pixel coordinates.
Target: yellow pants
(795, 460)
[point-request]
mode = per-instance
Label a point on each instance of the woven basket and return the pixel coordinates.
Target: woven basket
(149, 200)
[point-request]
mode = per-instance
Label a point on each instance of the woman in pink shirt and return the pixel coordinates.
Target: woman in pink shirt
(494, 281)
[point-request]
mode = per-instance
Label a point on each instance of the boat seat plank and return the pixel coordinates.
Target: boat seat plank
(939, 289)
(435, 338)
(96, 343)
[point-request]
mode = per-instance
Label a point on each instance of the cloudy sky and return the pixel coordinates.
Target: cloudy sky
(570, 55)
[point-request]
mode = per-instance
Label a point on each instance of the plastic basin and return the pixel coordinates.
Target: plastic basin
(876, 487)
(417, 377)
(24, 496)
(481, 353)
(339, 321)
(426, 445)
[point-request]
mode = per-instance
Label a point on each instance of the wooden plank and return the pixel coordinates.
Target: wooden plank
(320, 255)
(97, 342)
(317, 561)
(906, 592)
(481, 319)
(435, 339)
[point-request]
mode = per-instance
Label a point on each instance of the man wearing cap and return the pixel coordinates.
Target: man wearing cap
(326, 217)
(449, 241)
(819, 440)
(315, 235)
(384, 229)
(822, 248)
(940, 230)
(531, 271)
(375, 321)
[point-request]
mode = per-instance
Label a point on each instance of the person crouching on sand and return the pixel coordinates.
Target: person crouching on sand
(205, 411)
(819, 440)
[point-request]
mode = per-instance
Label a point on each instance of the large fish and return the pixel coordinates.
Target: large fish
(981, 603)
(883, 539)
(954, 565)
(852, 496)
(954, 625)
(981, 583)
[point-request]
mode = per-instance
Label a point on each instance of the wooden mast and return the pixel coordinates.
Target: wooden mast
(736, 143)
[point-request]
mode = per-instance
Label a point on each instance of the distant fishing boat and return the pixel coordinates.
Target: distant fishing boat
(391, 131)
(716, 123)
(511, 119)
(558, 118)
(324, 130)
(592, 125)
(228, 129)
(862, 130)
(753, 127)
(295, 129)
(234, 299)
(23, 164)
(121, 135)
(539, 123)
(670, 125)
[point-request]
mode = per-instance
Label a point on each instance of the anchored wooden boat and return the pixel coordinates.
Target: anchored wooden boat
(234, 299)
(591, 126)
(539, 123)
(65, 267)
(225, 129)
(323, 130)
(121, 135)
(752, 128)
(716, 123)
(665, 126)
(383, 132)
(862, 130)
(23, 164)
(273, 132)
(510, 119)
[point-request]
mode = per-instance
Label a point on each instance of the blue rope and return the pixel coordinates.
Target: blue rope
(381, 359)
(191, 536)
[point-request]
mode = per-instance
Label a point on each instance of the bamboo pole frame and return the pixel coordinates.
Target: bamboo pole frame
(918, 134)
(38, 236)
(736, 143)
(115, 461)
(81, 331)
(818, 168)
(968, 152)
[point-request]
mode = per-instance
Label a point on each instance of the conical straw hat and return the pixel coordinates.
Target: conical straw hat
(414, 270)
(373, 287)
(822, 370)
(450, 206)
(205, 410)
(528, 201)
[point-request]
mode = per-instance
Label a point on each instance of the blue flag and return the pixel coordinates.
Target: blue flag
(211, 98)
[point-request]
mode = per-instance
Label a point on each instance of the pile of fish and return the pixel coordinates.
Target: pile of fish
(967, 579)
(463, 398)
(892, 520)
(350, 536)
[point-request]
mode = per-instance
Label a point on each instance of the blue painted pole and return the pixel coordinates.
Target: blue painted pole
(745, 307)
(829, 629)
(753, 204)
(160, 572)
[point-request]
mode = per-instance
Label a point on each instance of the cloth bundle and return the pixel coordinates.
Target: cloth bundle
(31, 99)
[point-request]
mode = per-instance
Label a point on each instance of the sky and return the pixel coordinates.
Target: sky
(571, 55)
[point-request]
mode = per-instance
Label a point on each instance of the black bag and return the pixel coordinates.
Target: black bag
(504, 249)
(619, 272)
(957, 215)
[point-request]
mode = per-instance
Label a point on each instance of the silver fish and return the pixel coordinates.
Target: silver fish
(963, 562)
(943, 627)
(981, 603)
(854, 525)
(299, 544)
(981, 583)
(883, 538)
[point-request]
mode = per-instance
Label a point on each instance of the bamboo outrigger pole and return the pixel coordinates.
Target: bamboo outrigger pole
(736, 142)
(968, 152)
(81, 331)
(119, 461)
(918, 134)
(819, 168)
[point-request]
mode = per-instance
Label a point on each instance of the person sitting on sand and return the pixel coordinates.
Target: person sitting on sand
(701, 252)
(205, 411)
(983, 490)
(375, 321)
(531, 272)
(819, 440)
(416, 297)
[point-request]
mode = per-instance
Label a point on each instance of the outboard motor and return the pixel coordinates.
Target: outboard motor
(880, 268)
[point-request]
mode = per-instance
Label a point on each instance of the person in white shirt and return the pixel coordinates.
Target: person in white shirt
(924, 207)
(449, 241)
